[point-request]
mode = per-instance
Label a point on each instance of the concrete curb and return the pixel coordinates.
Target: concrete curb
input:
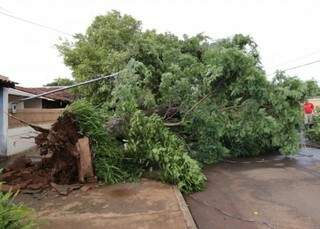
(185, 210)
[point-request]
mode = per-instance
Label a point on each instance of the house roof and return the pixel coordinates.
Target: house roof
(5, 82)
(60, 95)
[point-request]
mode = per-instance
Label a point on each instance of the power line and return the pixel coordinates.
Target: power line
(69, 34)
(4, 9)
(35, 23)
(296, 59)
(111, 76)
(301, 65)
(298, 66)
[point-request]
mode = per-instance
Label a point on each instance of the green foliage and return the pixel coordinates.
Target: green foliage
(204, 134)
(15, 216)
(105, 48)
(284, 105)
(108, 152)
(130, 93)
(154, 146)
(149, 146)
(61, 82)
(313, 88)
(217, 92)
(314, 133)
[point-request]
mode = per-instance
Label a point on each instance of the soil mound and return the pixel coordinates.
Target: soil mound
(61, 161)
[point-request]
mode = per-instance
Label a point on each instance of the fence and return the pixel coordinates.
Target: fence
(35, 116)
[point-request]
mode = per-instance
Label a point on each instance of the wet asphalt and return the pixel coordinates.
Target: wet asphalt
(270, 191)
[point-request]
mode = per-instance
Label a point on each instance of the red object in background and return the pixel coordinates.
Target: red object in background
(308, 108)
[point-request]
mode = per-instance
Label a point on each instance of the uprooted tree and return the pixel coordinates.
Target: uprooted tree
(176, 103)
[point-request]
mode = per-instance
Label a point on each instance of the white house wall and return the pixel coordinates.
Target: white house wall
(19, 106)
(3, 120)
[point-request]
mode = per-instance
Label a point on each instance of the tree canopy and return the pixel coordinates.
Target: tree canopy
(313, 88)
(60, 82)
(212, 95)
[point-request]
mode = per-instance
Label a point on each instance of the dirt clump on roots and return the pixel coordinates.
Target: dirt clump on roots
(58, 148)
(60, 159)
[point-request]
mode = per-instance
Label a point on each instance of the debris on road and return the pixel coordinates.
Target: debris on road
(65, 189)
(23, 174)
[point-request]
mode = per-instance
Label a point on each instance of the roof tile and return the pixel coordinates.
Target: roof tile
(5, 82)
(60, 95)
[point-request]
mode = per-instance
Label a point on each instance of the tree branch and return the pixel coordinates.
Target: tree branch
(187, 112)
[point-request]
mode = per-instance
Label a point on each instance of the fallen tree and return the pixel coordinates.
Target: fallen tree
(243, 114)
(175, 105)
(212, 97)
(144, 145)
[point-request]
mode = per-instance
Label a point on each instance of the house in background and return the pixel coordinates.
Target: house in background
(52, 101)
(43, 109)
(16, 137)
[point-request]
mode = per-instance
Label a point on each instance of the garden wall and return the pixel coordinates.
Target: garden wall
(35, 116)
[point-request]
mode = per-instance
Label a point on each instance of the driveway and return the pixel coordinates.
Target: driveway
(265, 192)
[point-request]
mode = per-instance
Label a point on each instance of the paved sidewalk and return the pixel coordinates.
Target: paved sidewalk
(148, 204)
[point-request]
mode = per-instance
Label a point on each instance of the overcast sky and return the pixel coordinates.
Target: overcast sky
(287, 31)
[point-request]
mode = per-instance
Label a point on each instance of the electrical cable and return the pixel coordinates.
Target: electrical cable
(111, 76)
(296, 59)
(35, 23)
(302, 65)
(297, 66)
(4, 9)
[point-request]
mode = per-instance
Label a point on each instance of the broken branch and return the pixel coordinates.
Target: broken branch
(187, 112)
